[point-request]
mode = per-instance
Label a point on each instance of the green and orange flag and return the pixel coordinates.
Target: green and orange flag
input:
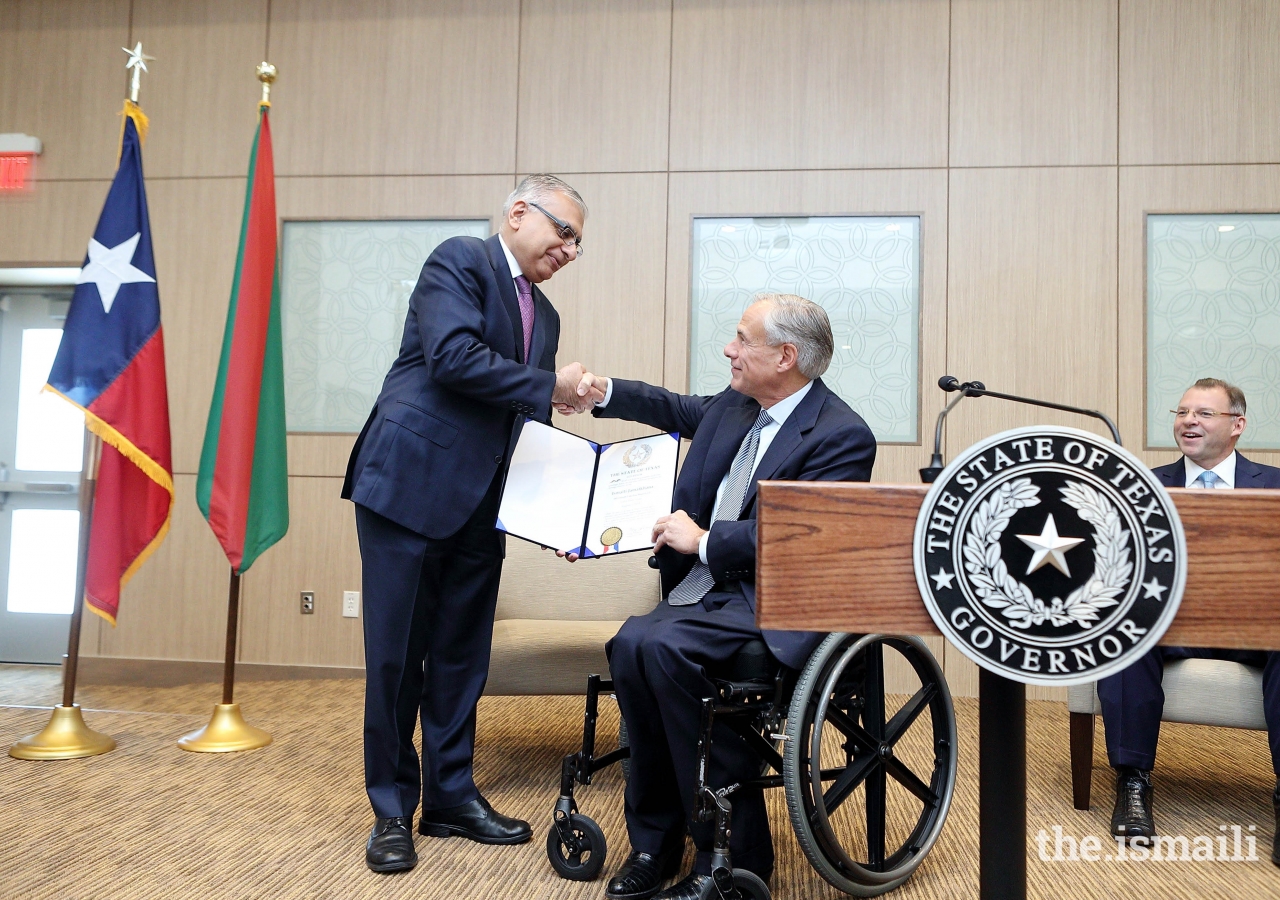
(243, 485)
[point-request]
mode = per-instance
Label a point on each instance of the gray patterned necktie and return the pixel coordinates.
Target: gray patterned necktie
(700, 580)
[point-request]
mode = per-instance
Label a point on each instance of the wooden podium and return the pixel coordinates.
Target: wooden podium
(838, 557)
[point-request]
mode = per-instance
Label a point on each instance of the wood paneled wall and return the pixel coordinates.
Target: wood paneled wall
(1031, 137)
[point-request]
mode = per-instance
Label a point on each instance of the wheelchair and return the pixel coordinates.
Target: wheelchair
(867, 786)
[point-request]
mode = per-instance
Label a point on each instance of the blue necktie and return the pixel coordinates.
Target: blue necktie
(1208, 479)
(700, 580)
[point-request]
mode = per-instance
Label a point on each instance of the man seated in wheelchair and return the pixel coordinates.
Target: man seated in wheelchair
(776, 420)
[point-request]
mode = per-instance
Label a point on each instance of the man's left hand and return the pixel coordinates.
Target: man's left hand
(677, 531)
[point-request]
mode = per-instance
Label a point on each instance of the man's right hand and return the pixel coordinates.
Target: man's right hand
(577, 390)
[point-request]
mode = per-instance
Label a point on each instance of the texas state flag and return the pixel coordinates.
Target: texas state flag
(111, 365)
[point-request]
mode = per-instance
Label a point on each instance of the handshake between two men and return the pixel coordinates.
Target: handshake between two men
(577, 390)
(480, 341)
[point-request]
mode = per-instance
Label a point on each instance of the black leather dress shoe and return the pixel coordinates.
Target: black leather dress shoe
(477, 821)
(390, 846)
(1275, 841)
(641, 875)
(692, 887)
(1132, 815)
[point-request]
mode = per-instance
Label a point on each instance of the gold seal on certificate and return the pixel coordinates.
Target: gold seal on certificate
(610, 537)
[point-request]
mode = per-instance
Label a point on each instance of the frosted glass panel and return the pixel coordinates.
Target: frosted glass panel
(50, 430)
(1213, 311)
(345, 290)
(864, 271)
(42, 560)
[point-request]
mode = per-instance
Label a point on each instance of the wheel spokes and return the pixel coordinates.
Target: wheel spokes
(851, 729)
(848, 781)
(910, 781)
(910, 711)
(876, 818)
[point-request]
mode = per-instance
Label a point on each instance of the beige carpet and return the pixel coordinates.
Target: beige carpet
(289, 821)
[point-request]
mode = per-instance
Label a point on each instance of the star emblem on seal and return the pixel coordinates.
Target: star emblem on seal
(1049, 548)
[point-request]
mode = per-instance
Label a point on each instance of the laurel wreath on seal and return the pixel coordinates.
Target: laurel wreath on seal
(998, 589)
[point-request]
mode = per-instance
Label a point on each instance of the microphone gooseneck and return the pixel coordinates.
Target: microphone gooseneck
(951, 384)
(930, 473)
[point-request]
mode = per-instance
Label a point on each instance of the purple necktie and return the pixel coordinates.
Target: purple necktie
(526, 311)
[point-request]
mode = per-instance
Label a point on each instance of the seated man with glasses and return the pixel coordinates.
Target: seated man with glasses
(1206, 426)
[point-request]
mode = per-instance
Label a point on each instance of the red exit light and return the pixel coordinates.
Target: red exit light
(15, 172)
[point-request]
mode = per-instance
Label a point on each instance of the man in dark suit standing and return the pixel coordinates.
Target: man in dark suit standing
(775, 420)
(1207, 425)
(478, 353)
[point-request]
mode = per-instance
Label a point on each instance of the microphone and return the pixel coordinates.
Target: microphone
(949, 383)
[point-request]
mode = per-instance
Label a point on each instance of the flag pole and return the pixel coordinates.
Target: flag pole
(67, 736)
(227, 730)
(233, 628)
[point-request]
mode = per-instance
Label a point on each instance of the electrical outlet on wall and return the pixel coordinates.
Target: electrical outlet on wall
(351, 604)
(308, 602)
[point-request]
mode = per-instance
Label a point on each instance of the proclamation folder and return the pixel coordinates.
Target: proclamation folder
(571, 494)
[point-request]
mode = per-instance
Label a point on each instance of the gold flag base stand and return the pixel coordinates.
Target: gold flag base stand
(226, 732)
(65, 737)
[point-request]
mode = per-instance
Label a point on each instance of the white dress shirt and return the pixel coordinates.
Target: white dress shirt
(779, 412)
(1225, 470)
(514, 266)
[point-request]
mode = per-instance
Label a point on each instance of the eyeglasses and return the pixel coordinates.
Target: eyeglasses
(1202, 414)
(564, 230)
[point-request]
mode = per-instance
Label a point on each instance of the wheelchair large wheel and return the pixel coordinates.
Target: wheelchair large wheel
(869, 779)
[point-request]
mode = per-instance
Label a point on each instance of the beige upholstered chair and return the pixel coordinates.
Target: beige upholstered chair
(554, 617)
(1198, 691)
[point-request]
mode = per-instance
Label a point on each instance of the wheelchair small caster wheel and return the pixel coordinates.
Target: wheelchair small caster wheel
(750, 885)
(743, 884)
(581, 857)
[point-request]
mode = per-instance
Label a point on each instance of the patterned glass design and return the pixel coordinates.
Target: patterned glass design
(1213, 311)
(345, 290)
(863, 270)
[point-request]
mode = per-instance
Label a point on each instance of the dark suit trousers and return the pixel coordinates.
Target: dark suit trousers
(428, 629)
(1133, 701)
(659, 664)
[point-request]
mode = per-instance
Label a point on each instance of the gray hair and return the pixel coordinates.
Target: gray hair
(540, 189)
(794, 320)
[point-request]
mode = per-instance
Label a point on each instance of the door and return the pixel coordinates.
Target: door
(41, 443)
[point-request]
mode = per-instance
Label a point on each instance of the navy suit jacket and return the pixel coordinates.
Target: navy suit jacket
(440, 429)
(1249, 474)
(822, 440)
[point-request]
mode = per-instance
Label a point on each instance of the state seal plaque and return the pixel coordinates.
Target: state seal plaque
(1050, 556)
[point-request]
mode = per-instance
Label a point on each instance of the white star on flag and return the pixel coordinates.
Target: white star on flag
(110, 267)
